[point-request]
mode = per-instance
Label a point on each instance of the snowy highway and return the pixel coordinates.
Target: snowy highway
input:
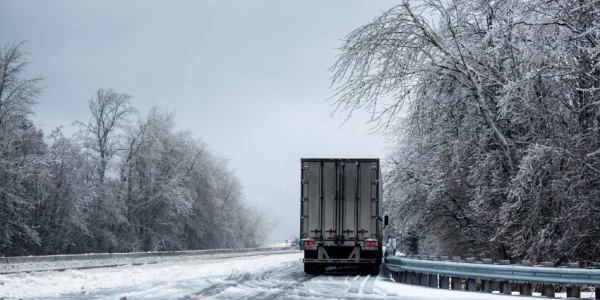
(264, 276)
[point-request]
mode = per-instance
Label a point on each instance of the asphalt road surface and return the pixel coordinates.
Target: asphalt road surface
(282, 282)
(261, 276)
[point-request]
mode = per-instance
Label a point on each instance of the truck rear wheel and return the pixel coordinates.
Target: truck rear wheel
(375, 270)
(313, 268)
(370, 269)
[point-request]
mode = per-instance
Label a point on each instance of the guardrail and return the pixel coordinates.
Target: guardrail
(442, 273)
(98, 260)
(97, 256)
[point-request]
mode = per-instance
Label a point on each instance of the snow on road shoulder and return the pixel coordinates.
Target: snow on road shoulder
(54, 283)
(407, 291)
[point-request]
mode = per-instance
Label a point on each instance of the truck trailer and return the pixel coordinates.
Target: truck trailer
(340, 222)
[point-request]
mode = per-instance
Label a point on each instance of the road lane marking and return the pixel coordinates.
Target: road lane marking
(173, 290)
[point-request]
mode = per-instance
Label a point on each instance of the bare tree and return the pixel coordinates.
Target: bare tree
(180, 195)
(56, 194)
(61, 216)
(17, 95)
(496, 153)
(447, 80)
(21, 151)
(110, 111)
(394, 54)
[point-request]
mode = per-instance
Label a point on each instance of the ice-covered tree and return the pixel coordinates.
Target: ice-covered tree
(110, 113)
(21, 152)
(492, 108)
(116, 185)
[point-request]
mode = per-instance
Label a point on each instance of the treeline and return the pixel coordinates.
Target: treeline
(123, 183)
(493, 108)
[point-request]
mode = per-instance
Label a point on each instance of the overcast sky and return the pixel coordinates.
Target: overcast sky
(249, 77)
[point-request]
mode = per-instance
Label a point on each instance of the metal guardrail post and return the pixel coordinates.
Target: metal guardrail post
(471, 285)
(486, 285)
(506, 288)
(526, 289)
(425, 280)
(548, 290)
(433, 280)
(456, 283)
(444, 282)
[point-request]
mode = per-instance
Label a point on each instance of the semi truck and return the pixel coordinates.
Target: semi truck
(340, 222)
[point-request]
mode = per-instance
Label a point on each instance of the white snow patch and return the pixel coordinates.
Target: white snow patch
(53, 283)
(419, 292)
(3, 279)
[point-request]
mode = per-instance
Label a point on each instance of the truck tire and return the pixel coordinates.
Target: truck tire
(313, 268)
(375, 270)
(365, 270)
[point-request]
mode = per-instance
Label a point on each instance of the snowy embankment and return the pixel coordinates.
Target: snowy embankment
(20, 264)
(415, 292)
(55, 283)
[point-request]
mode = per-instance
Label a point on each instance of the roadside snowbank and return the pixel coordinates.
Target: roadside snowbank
(53, 283)
(408, 291)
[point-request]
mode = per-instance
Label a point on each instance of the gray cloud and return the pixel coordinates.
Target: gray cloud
(249, 77)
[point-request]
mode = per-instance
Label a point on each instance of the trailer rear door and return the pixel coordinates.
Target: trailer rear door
(340, 199)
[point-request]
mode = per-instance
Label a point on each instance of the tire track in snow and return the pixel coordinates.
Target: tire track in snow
(368, 289)
(269, 284)
(355, 284)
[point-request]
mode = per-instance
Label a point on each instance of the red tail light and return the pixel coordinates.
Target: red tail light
(305, 243)
(310, 243)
